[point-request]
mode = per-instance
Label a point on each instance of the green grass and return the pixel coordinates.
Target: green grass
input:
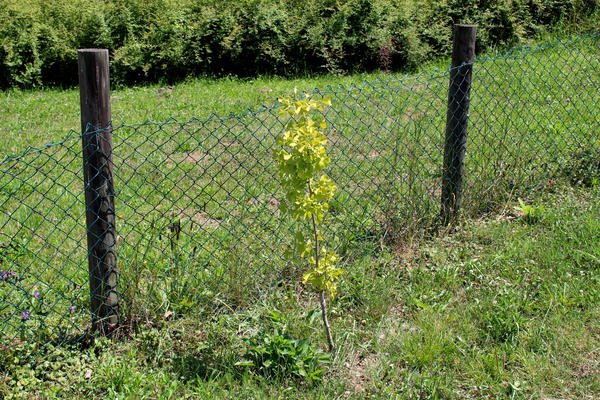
(483, 313)
(504, 308)
(214, 178)
(36, 117)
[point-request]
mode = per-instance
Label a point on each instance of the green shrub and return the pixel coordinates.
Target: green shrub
(152, 40)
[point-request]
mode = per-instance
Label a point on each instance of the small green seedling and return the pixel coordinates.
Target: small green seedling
(301, 157)
(530, 213)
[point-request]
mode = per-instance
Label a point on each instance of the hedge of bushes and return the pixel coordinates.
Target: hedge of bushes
(151, 40)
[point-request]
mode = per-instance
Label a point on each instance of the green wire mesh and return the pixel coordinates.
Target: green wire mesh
(197, 201)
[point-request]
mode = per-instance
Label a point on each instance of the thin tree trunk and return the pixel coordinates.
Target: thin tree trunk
(326, 321)
(321, 294)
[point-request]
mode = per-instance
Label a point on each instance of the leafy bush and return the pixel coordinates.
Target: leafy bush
(279, 356)
(151, 40)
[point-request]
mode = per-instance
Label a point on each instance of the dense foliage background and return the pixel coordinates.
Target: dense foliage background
(151, 40)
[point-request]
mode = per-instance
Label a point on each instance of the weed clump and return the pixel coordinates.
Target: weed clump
(583, 168)
(278, 356)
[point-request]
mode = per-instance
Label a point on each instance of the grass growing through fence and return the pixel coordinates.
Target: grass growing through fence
(508, 307)
(197, 202)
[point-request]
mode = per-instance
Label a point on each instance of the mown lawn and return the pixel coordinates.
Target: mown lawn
(507, 307)
(36, 117)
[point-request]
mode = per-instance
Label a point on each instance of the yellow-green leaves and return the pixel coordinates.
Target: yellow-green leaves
(324, 276)
(301, 157)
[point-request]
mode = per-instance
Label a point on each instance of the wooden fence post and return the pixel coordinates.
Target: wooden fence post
(463, 55)
(99, 188)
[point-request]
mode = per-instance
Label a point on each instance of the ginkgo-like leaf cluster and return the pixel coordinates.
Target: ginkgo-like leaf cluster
(301, 157)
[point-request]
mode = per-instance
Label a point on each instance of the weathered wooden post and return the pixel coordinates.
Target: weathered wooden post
(99, 188)
(463, 55)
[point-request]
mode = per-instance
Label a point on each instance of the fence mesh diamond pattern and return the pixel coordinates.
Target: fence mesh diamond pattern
(197, 202)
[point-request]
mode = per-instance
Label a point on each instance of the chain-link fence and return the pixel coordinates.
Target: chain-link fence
(197, 202)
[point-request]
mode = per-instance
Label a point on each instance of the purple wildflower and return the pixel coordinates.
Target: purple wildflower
(72, 308)
(25, 315)
(6, 275)
(36, 294)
